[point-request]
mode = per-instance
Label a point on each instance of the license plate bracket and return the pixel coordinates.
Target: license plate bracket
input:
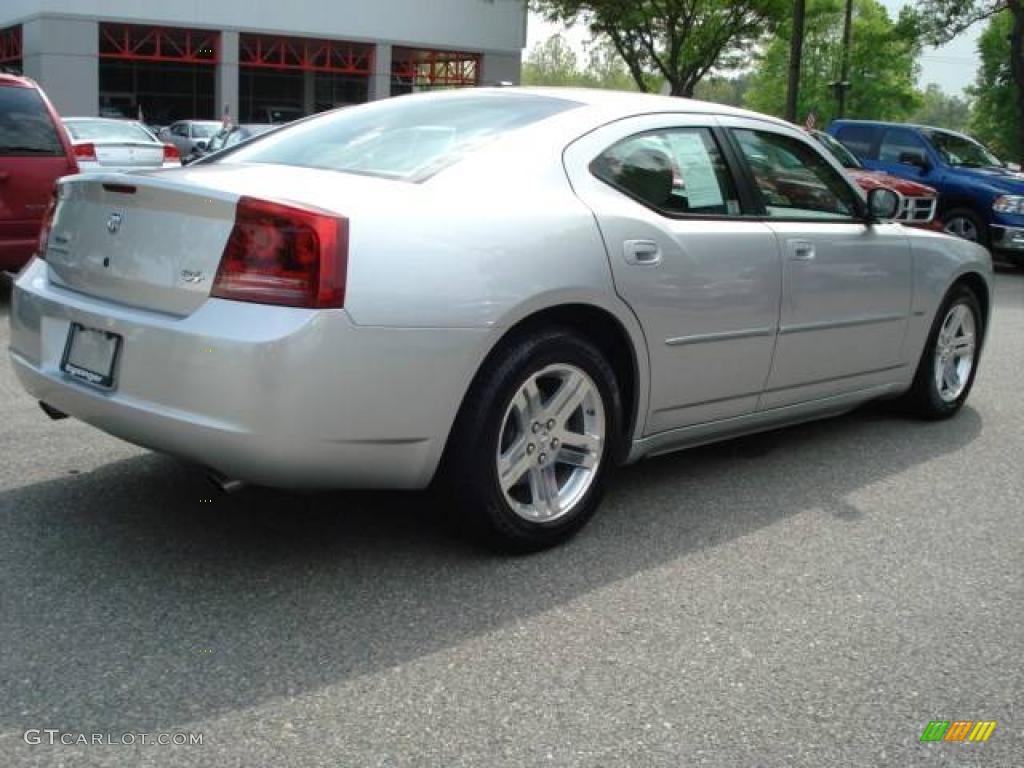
(90, 355)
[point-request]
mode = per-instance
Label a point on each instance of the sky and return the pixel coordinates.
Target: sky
(953, 66)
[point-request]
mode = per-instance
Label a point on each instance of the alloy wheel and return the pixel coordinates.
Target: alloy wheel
(550, 444)
(954, 352)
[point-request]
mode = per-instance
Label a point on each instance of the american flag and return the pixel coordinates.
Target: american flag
(811, 122)
(226, 121)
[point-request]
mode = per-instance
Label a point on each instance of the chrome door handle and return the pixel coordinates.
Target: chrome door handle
(641, 252)
(801, 250)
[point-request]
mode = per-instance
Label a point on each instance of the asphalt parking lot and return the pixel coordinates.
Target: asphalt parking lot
(811, 597)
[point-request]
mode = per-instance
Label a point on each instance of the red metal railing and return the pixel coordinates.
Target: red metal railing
(428, 68)
(307, 55)
(10, 44)
(129, 42)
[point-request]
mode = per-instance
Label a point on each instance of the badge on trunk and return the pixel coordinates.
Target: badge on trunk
(114, 223)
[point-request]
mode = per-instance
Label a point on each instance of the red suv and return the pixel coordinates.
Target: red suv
(34, 153)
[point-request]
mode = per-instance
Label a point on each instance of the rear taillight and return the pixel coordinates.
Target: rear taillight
(281, 253)
(44, 231)
(85, 152)
(171, 154)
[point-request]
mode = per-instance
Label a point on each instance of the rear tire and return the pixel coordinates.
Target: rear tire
(949, 362)
(966, 224)
(535, 442)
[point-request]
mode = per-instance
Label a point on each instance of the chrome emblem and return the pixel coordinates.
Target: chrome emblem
(114, 223)
(190, 276)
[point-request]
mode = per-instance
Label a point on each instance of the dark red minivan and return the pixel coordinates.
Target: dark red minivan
(34, 153)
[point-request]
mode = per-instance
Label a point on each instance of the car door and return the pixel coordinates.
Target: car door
(846, 284)
(702, 277)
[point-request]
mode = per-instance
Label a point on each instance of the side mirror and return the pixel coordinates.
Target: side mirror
(884, 205)
(916, 159)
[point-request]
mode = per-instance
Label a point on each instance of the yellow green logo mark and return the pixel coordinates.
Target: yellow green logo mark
(958, 730)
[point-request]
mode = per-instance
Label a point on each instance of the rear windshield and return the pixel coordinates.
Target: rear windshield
(107, 130)
(407, 138)
(25, 124)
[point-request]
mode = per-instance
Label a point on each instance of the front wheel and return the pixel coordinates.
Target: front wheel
(966, 224)
(948, 364)
(534, 444)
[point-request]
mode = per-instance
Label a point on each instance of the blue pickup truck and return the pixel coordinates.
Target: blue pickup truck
(980, 197)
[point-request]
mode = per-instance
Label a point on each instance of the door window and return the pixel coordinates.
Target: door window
(859, 139)
(676, 171)
(900, 144)
(180, 129)
(794, 180)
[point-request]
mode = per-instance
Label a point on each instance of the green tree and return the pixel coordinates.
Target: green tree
(723, 90)
(942, 110)
(996, 115)
(674, 41)
(883, 65)
(942, 20)
(552, 62)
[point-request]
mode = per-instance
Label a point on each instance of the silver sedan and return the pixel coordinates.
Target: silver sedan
(505, 292)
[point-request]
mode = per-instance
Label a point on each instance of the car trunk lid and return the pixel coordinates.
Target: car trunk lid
(129, 154)
(139, 241)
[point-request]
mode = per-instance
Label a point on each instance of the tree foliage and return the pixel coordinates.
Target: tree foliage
(554, 62)
(996, 115)
(673, 41)
(883, 65)
(1000, 88)
(942, 110)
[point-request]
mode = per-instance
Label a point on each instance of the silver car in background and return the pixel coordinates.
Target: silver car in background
(104, 144)
(506, 292)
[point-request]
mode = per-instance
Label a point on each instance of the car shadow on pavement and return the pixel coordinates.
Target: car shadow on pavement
(134, 596)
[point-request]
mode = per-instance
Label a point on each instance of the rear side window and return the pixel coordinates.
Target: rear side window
(25, 124)
(794, 180)
(899, 144)
(408, 138)
(859, 139)
(675, 171)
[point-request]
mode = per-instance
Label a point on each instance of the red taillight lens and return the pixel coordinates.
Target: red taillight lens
(85, 152)
(44, 231)
(281, 253)
(171, 153)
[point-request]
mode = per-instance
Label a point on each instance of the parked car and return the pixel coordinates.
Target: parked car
(34, 153)
(513, 307)
(186, 135)
(980, 198)
(228, 137)
(101, 144)
(920, 202)
(280, 115)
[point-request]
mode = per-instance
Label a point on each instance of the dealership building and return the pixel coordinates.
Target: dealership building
(199, 58)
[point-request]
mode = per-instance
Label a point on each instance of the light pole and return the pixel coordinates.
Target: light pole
(843, 84)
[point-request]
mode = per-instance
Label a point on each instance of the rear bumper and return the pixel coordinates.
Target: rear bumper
(274, 396)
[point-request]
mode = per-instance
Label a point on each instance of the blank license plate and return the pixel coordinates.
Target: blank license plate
(90, 355)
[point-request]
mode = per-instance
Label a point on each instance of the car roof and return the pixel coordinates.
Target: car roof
(16, 81)
(912, 126)
(634, 101)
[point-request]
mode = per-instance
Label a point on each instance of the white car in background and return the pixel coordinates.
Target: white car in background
(104, 144)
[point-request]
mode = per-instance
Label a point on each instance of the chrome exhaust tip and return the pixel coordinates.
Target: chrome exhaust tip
(52, 412)
(224, 483)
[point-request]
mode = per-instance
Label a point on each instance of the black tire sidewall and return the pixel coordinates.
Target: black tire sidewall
(471, 458)
(925, 394)
(984, 236)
